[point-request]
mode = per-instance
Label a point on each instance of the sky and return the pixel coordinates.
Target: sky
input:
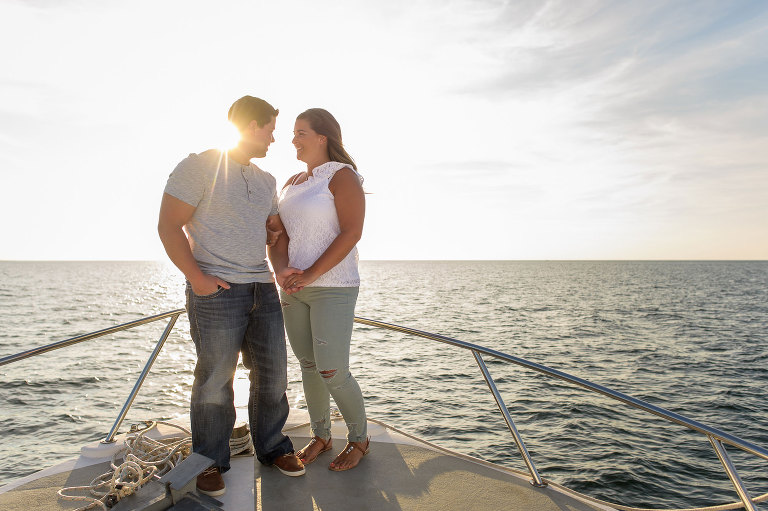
(484, 129)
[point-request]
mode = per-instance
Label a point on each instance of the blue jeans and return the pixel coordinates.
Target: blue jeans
(247, 318)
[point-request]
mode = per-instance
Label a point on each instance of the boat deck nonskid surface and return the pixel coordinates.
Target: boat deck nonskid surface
(400, 473)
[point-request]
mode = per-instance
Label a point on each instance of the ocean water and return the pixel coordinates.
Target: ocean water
(691, 337)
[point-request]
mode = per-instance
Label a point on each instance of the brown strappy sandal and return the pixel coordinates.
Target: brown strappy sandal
(351, 446)
(327, 445)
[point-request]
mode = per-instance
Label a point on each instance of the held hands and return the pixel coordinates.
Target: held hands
(207, 285)
(287, 277)
(293, 279)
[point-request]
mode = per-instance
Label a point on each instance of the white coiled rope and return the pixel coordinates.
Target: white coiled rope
(142, 457)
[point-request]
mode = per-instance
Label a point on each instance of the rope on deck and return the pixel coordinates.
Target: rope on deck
(143, 458)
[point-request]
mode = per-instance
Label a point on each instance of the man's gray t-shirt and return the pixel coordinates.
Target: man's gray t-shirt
(227, 231)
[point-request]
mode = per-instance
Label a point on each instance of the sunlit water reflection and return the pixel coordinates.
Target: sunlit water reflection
(688, 336)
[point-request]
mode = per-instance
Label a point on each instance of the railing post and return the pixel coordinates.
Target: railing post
(536, 481)
(730, 469)
(112, 432)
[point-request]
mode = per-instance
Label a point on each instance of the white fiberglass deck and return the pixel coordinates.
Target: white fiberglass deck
(400, 473)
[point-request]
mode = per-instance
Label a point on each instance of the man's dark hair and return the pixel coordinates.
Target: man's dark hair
(247, 109)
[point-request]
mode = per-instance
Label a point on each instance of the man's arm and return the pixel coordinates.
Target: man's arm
(174, 215)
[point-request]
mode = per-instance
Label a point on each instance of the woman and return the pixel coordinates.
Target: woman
(322, 211)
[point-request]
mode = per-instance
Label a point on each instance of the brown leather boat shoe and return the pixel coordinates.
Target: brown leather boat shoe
(211, 483)
(290, 465)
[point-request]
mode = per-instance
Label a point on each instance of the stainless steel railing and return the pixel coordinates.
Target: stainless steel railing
(140, 381)
(716, 437)
(173, 315)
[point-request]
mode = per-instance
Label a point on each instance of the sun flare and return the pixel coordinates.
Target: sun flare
(225, 136)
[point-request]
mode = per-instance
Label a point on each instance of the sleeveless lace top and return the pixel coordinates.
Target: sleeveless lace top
(308, 213)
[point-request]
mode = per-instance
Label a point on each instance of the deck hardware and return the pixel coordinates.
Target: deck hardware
(173, 491)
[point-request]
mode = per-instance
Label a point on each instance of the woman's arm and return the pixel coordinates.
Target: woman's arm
(349, 199)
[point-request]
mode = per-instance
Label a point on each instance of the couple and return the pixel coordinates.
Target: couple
(228, 206)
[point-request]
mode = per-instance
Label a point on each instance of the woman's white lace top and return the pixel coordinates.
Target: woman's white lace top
(308, 213)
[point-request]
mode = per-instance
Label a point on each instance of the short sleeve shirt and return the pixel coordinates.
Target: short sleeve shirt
(227, 232)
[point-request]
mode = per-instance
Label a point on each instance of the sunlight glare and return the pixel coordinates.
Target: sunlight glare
(225, 135)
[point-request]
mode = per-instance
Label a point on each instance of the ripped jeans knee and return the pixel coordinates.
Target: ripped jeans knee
(307, 364)
(336, 379)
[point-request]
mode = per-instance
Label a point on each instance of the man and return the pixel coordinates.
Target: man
(224, 201)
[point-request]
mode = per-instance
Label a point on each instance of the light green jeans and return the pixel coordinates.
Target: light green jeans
(318, 321)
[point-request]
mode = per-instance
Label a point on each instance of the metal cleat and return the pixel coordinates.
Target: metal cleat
(173, 491)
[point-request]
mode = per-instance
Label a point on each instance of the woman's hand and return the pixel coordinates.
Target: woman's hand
(297, 279)
(286, 277)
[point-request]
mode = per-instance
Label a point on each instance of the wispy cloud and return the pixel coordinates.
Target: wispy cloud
(588, 129)
(668, 98)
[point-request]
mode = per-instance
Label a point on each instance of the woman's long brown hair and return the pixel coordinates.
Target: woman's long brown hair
(323, 123)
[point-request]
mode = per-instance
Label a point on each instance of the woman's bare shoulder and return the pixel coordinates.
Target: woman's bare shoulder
(345, 180)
